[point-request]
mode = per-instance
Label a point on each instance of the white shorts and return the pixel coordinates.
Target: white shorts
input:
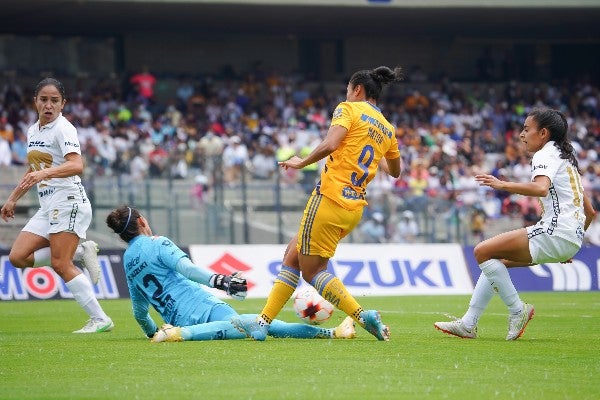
(551, 249)
(67, 217)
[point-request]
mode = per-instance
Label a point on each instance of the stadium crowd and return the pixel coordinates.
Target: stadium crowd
(447, 131)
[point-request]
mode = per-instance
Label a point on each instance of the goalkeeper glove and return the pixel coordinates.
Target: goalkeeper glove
(234, 285)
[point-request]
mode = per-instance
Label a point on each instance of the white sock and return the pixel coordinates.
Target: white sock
(42, 257)
(78, 253)
(83, 293)
(482, 294)
(497, 274)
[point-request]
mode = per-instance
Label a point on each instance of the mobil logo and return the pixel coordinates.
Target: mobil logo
(227, 264)
(44, 283)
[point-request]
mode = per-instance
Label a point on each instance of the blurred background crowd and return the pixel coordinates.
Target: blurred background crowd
(217, 128)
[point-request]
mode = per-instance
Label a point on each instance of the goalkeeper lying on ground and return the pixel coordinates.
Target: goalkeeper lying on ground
(160, 274)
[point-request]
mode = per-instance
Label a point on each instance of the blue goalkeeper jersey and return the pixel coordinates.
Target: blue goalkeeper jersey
(150, 267)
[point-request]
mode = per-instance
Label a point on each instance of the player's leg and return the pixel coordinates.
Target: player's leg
(466, 327)
(30, 250)
(482, 294)
(512, 246)
(285, 284)
(32, 247)
(319, 234)
(71, 224)
(281, 329)
(215, 330)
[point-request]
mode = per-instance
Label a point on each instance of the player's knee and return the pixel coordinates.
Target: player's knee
(480, 253)
(17, 260)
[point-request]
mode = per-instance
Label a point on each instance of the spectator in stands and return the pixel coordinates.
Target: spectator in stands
(5, 152)
(158, 160)
(138, 167)
(143, 85)
(263, 164)
(235, 157)
(407, 229)
(373, 229)
(491, 205)
(478, 222)
(521, 171)
(417, 185)
(19, 148)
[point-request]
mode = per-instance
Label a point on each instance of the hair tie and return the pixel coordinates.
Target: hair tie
(127, 223)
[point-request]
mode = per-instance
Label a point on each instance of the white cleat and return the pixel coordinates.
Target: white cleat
(95, 325)
(517, 323)
(456, 328)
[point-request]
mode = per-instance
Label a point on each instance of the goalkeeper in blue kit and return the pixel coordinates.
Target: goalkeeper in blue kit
(161, 275)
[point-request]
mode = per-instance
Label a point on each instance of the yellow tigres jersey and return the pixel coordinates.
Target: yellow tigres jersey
(353, 165)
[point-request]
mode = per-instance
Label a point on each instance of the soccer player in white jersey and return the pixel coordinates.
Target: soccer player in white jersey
(161, 275)
(52, 235)
(566, 213)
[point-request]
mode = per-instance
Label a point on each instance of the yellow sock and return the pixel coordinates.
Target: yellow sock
(282, 290)
(334, 291)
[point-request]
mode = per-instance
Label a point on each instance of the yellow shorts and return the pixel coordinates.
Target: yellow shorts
(323, 225)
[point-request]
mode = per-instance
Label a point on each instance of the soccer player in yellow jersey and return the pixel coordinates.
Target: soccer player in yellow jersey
(358, 141)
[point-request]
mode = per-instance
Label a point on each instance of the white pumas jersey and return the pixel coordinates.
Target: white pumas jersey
(47, 148)
(562, 208)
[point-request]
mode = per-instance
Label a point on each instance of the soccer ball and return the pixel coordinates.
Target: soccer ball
(311, 308)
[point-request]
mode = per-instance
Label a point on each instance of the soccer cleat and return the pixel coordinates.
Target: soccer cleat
(90, 260)
(95, 325)
(251, 327)
(345, 330)
(518, 322)
(167, 333)
(456, 328)
(374, 326)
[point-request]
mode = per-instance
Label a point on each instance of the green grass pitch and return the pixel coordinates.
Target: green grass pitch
(557, 358)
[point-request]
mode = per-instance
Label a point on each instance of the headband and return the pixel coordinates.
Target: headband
(127, 223)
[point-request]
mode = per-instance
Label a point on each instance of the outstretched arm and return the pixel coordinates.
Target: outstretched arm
(537, 188)
(8, 209)
(332, 141)
(234, 285)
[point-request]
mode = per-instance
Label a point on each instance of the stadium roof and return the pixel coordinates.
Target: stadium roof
(491, 18)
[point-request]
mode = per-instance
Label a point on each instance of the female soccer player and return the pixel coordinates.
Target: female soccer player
(557, 237)
(51, 237)
(160, 274)
(358, 139)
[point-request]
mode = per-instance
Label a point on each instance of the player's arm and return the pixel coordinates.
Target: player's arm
(234, 285)
(539, 187)
(140, 308)
(8, 209)
(391, 167)
(328, 145)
